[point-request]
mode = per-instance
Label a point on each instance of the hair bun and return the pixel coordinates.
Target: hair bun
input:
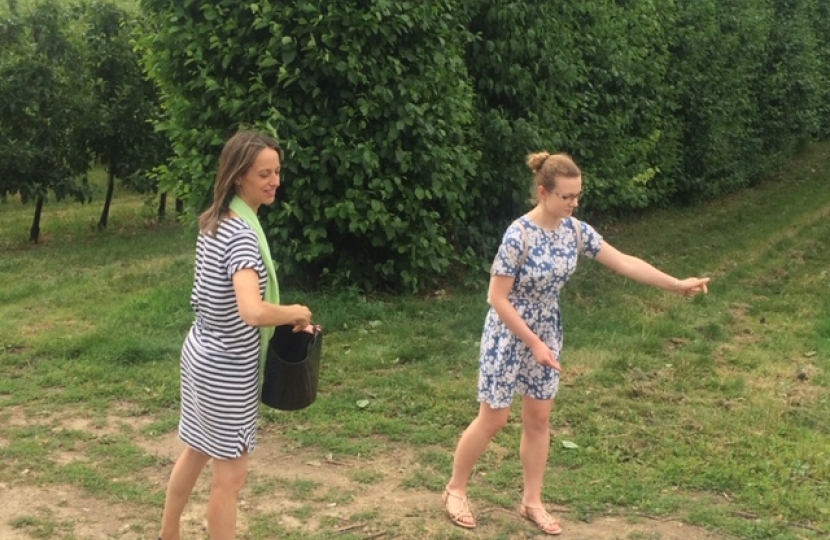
(535, 161)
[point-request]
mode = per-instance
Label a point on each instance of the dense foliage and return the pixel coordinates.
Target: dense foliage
(371, 104)
(586, 78)
(45, 98)
(123, 138)
(74, 94)
(406, 124)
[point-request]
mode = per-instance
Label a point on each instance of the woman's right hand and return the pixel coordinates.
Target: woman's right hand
(301, 317)
(545, 356)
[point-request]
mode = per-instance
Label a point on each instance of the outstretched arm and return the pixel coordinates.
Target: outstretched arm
(639, 270)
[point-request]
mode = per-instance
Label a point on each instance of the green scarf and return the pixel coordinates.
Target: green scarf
(272, 289)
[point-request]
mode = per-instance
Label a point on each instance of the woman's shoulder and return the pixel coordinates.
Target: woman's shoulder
(233, 225)
(583, 225)
(229, 230)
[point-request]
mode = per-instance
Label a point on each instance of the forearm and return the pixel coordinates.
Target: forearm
(262, 313)
(643, 272)
(514, 322)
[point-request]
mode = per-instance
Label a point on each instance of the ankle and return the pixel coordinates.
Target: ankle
(454, 489)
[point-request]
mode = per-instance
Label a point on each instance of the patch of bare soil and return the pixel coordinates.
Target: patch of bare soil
(28, 512)
(293, 490)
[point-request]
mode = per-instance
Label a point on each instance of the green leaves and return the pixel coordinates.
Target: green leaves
(406, 124)
(43, 112)
(372, 106)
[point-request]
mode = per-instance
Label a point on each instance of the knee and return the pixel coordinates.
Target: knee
(230, 481)
(492, 424)
(536, 424)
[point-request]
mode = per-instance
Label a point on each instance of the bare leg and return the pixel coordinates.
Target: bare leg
(471, 446)
(185, 473)
(535, 447)
(534, 450)
(226, 482)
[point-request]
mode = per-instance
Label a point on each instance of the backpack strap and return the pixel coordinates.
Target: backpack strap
(578, 229)
(525, 242)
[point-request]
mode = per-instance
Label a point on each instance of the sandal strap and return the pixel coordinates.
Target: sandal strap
(464, 512)
(465, 504)
(546, 522)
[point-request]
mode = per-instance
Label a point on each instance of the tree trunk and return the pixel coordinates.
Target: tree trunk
(179, 207)
(162, 205)
(34, 232)
(102, 223)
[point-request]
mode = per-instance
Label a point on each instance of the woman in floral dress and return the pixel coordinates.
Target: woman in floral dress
(522, 337)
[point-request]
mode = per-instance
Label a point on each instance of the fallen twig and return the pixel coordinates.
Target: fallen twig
(348, 528)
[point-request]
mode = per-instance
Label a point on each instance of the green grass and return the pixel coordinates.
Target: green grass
(714, 411)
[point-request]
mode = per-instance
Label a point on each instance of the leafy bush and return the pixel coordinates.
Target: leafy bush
(587, 78)
(717, 52)
(371, 101)
(406, 123)
(821, 26)
(789, 91)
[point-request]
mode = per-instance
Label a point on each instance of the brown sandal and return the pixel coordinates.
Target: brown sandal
(539, 517)
(463, 517)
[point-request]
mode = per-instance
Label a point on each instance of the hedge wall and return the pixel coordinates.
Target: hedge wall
(372, 102)
(407, 123)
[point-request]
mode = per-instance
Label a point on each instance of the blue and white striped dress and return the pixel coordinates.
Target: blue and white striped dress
(220, 356)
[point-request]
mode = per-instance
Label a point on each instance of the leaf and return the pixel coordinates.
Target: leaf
(268, 62)
(362, 403)
(808, 354)
(569, 444)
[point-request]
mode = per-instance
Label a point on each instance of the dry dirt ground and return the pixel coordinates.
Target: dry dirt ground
(300, 493)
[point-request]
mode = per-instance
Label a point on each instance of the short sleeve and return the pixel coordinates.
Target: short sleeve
(591, 240)
(508, 259)
(243, 252)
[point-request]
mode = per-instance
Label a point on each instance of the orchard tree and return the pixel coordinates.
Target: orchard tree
(123, 139)
(44, 108)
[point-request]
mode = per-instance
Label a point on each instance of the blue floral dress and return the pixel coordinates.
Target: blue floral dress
(506, 364)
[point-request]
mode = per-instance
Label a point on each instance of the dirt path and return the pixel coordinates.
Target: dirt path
(305, 493)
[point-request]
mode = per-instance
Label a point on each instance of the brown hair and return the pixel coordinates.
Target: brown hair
(237, 157)
(547, 167)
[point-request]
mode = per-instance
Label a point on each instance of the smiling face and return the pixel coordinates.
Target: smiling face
(258, 185)
(563, 198)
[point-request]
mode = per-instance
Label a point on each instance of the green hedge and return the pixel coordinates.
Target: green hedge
(821, 29)
(587, 78)
(750, 84)
(406, 123)
(372, 105)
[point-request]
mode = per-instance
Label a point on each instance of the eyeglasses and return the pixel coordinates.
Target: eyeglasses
(569, 198)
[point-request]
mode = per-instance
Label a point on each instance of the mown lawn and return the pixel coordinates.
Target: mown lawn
(714, 411)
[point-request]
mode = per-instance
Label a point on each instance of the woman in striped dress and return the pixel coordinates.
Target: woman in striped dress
(220, 356)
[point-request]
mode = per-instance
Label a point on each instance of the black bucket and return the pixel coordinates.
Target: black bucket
(292, 369)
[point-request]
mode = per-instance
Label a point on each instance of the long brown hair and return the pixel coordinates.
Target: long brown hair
(237, 157)
(547, 167)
